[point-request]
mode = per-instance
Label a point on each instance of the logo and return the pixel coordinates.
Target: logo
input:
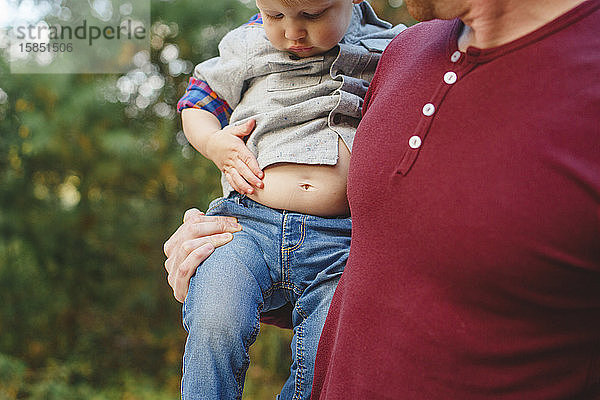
(94, 36)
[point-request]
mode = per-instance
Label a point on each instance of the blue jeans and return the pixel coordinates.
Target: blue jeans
(278, 257)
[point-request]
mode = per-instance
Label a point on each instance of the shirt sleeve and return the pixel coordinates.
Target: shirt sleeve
(199, 95)
(218, 83)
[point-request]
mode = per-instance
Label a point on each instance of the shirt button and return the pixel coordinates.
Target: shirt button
(450, 77)
(455, 56)
(414, 142)
(428, 109)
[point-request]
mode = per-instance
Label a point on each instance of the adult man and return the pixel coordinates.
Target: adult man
(474, 188)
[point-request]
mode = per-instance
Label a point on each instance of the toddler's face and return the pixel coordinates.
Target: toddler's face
(305, 27)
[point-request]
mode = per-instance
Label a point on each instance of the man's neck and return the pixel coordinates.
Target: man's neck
(494, 23)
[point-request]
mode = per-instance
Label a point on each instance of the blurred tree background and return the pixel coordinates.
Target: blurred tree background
(95, 174)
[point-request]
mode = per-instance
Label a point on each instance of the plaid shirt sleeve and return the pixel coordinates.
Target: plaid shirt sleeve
(255, 20)
(199, 95)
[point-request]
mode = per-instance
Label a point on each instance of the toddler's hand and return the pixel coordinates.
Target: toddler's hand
(230, 154)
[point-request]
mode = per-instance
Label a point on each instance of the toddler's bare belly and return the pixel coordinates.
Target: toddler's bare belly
(309, 189)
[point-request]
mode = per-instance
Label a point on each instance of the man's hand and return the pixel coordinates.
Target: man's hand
(228, 151)
(191, 244)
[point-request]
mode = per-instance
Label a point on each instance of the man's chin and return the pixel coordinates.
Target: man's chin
(421, 10)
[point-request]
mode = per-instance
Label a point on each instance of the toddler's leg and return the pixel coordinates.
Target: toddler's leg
(316, 252)
(221, 315)
(309, 318)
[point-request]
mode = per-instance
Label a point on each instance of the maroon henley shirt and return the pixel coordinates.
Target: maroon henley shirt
(474, 186)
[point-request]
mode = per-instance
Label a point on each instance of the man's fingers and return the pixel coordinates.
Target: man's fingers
(199, 225)
(192, 243)
(169, 265)
(218, 232)
(215, 240)
(212, 226)
(187, 268)
(192, 214)
(216, 218)
(208, 227)
(220, 239)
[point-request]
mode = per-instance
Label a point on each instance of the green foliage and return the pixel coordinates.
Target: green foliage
(93, 179)
(12, 373)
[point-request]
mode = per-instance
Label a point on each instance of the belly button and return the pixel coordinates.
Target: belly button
(306, 186)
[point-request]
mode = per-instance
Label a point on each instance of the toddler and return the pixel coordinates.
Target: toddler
(276, 111)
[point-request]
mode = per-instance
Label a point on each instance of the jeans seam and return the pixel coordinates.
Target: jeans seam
(216, 205)
(299, 378)
(284, 272)
(282, 285)
(239, 374)
(300, 311)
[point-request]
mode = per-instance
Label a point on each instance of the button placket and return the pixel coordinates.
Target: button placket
(415, 142)
(417, 139)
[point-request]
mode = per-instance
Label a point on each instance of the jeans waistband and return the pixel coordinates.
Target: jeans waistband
(242, 199)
